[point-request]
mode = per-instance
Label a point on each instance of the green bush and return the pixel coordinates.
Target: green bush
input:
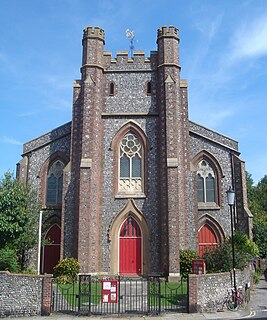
(220, 259)
(244, 244)
(186, 257)
(257, 275)
(66, 270)
(8, 260)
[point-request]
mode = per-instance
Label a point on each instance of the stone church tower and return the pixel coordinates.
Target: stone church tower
(137, 180)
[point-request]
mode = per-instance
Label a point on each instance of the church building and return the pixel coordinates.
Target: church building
(131, 181)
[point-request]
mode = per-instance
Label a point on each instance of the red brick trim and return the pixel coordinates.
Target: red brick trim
(46, 295)
(192, 293)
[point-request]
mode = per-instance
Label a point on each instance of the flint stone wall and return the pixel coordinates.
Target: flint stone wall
(207, 292)
(24, 295)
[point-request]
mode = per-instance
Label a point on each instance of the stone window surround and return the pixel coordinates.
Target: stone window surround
(208, 220)
(43, 175)
(204, 155)
(130, 209)
(115, 145)
(57, 173)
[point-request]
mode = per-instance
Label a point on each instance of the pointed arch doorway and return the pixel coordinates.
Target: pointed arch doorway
(129, 229)
(130, 251)
(51, 250)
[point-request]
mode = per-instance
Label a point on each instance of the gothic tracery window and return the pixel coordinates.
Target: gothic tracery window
(206, 180)
(54, 184)
(130, 164)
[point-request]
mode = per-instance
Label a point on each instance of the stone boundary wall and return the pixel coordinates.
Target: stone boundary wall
(24, 295)
(206, 292)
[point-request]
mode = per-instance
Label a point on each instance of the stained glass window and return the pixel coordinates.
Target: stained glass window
(55, 184)
(131, 164)
(205, 182)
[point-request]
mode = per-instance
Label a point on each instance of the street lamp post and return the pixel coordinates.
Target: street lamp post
(231, 200)
(39, 241)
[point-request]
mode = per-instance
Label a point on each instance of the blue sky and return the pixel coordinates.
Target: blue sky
(223, 54)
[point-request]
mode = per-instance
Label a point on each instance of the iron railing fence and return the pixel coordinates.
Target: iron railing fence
(119, 295)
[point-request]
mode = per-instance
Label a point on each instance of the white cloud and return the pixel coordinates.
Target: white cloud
(209, 26)
(29, 113)
(10, 140)
(250, 40)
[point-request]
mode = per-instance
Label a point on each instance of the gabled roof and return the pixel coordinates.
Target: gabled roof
(47, 138)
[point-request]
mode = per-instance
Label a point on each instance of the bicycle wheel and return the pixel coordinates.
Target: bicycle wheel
(232, 305)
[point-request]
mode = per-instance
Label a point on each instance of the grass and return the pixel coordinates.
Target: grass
(71, 293)
(170, 293)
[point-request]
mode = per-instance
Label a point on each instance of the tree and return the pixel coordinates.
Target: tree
(257, 200)
(18, 217)
(262, 195)
(8, 260)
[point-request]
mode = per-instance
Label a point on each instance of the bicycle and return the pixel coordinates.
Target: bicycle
(234, 299)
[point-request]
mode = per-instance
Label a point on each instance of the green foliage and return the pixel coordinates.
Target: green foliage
(244, 244)
(186, 257)
(66, 270)
(257, 200)
(13, 210)
(19, 211)
(260, 235)
(220, 259)
(256, 276)
(8, 260)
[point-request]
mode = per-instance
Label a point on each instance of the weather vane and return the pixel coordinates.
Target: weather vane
(130, 35)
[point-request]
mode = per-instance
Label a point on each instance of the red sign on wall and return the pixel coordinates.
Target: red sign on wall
(110, 291)
(198, 266)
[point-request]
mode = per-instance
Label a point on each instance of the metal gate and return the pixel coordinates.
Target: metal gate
(119, 295)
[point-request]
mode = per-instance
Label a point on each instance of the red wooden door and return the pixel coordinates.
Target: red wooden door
(51, 251)
(130, 257)
(206, 238)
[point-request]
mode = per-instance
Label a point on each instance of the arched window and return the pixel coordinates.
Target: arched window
(130, 228)
(54, 184)
(206, 183)
(131, 164)
(148, 88)
(111, 89)
(207, 239)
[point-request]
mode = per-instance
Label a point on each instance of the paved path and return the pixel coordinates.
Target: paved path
(257, 304)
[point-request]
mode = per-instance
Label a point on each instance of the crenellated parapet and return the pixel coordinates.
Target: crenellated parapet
(94, 32)
(168, 32)
(139, 60)
(95, 56)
